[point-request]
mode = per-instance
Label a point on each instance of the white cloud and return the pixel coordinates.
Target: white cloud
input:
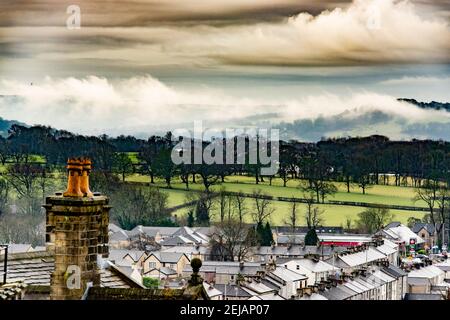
(376, 31)
(95, 105)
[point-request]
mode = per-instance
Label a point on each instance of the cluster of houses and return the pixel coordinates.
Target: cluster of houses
(342, 267)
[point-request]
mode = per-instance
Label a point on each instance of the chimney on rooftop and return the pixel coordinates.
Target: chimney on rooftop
(75, 169)
(84, 179)
(78, 177)
(77, 233)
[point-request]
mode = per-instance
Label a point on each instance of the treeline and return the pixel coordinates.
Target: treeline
(359, 161)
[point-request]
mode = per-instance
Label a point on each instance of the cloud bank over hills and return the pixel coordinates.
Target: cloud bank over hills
(145, 105)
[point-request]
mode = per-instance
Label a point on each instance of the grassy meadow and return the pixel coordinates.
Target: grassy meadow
(334, 215)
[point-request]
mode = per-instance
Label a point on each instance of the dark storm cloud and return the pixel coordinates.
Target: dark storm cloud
(121, 13)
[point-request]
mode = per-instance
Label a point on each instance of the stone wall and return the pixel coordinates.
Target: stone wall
(77, 232)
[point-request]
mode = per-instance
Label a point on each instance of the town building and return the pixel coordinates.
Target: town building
(427, 232)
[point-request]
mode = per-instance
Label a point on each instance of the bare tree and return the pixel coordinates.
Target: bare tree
(232, 239)
(313, 215)
(263, 207)
(239, 199)
(4, 193)
(22, 228)
(293, 219)
(293, 216)
(25, 178)
(348, 222)
(223, 202)
(436, 196)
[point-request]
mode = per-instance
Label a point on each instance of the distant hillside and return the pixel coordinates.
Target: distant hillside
(6, 124)
(428, 105)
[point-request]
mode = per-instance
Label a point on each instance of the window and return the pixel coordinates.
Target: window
(152, 265)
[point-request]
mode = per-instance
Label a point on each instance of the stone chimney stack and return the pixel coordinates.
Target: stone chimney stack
(76, 232)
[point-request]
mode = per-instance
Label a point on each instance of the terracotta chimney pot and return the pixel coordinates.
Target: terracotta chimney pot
(84, 179)
(74, 168)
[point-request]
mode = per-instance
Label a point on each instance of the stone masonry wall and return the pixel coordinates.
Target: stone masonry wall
(76, 233)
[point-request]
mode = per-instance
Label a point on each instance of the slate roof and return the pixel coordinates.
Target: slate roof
(186, 231)
(178, 240)
(19, 248)
(32, 269)
(314, 296)
(359, 258)
(119, 254)
(426, 272)
(152, 231)
(232, 290)
(387, 248)
(166, 257)
(185, 235)
(258, 287)
(394, 271)
(418, 281)
(207, 231)
(189, 250)
(393, 224)
(267, 296)
(304, 229)
(423, 296)
(444, 266)
(338, 293)
(271, 284)
(296, 250)
(228, 267)
(114, 228)
(35, 269)
(135, 254)
(189, 293)
(164, 270)
(285, 239)
(120, 235)
(319, 266)
(428, 226)
(287, 275)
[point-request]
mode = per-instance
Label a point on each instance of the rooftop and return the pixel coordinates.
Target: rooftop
(313, 266)
(287, 275)
(35, 268)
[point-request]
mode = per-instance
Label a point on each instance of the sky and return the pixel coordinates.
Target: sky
(311, 68)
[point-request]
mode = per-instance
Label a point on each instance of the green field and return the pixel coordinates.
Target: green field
(133, 157)
(334, 215)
